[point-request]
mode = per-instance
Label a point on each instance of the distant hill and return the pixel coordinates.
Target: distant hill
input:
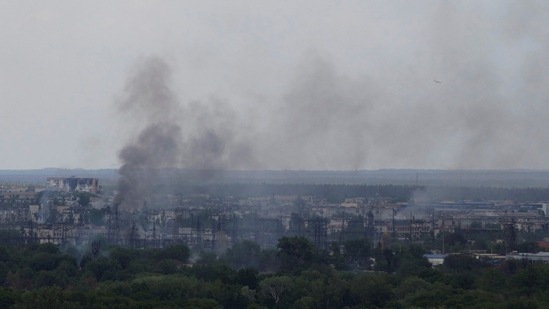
(39, 176)
(462, 178)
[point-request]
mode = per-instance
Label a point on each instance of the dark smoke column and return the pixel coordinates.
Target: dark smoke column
(152, 107)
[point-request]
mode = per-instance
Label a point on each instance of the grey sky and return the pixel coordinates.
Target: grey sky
(282, 84)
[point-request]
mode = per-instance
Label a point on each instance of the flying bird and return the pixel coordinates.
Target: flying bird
(436, 81)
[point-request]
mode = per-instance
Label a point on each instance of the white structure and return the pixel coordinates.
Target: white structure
(70, 184)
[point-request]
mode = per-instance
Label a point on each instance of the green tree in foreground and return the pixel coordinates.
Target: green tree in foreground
(276, 287)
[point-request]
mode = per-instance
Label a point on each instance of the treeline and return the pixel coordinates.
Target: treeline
(395, 193)
(533, 194)
(296, 274)
(331, 192)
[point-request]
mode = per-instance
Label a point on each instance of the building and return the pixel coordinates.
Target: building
(540, 257)
(435, 259)
(74, 184)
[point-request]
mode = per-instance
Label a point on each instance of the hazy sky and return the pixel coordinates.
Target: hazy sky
(280, 84)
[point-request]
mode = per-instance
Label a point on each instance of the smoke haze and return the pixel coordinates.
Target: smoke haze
(455, 101)
(169, 134)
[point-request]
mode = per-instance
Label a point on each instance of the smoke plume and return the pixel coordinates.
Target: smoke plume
(469, 91)
(149, 102)
(170, 135)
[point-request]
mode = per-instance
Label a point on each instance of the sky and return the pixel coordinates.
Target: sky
(303, 85)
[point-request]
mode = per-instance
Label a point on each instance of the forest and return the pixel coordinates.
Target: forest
(338, 192)
(295, 274)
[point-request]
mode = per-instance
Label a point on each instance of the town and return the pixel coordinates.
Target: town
(76, 211)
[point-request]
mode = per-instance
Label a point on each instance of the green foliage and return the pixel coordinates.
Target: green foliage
(243, 254)
(8, 298)
(96, 217)
(9, 238)
(47, 248)
(248, 277)
(179, 253)
(529, 246)
(410, 262)
(202, 303)
(492, 280)
(295, 254)
(84, 198)
(276, 287)
(41, 276)
(45, 297)
(357, 253)
(372, 290)
(456, 239)
(103, 268)
(462, 262)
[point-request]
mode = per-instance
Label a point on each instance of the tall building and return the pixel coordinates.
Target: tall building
(73, 184)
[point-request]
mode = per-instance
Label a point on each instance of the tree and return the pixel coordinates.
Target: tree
(461, 262)
(434, 297)
(410, 261)
(372, 289)
(276, 287)
(491, 280)
(202, 303)
(46, 297)
(247, 277)
(175, 252)
(103, 268)
(296, 225)
(242, 255)
(529, 246)
(358, 252)
(334, 255)
(8, 298)
(525, 281)
(123, 257)
(411, 285)
(96, 217)
(295, 254)
(84, 198)
(456, 239)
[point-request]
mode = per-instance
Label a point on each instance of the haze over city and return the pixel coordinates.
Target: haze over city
(281, 85)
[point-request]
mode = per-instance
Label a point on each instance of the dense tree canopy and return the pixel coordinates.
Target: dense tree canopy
(45, 276)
